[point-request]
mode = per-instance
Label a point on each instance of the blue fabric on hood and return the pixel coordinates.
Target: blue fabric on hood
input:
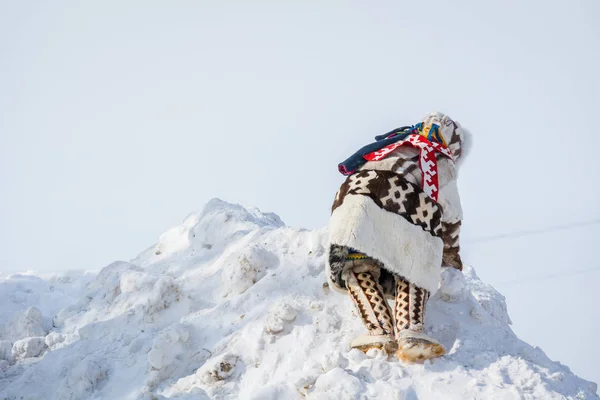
(356, 160)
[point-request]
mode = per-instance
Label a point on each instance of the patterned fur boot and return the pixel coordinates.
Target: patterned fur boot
(414, 346)
(374, 311)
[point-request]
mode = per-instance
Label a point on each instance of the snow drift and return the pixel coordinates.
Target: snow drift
(232, 304)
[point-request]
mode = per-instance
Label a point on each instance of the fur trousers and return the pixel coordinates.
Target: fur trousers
(363, 279)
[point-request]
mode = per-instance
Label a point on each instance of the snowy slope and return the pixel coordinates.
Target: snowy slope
(231, 304)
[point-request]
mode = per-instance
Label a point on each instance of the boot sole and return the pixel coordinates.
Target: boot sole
(389, 347)
(417, 350)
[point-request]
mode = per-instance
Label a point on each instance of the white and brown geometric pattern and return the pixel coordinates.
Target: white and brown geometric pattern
(418, 298)
(401, 308)
(393, 193)
(409, 309)
(428, 151)
(370, 303)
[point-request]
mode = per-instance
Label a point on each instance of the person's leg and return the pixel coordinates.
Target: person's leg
(409, 311)
(372, 307)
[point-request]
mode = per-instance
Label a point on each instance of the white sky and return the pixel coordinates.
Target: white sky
(117, 119)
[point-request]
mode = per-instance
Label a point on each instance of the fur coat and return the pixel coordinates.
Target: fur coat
(382, 212)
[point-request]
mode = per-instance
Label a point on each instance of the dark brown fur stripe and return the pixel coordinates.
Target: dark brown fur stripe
(451, 258)
(411, 169)
(450, 233)
(454, 142)
(450, 236)
(409, 164)
(457, 153)
(455, 138)
(393, 193)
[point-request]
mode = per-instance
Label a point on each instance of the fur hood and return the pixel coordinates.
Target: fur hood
(459, 140)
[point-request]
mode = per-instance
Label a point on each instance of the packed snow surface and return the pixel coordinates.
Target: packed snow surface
(232, 304)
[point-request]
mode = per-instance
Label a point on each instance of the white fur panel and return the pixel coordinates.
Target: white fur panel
(402, 247)
(465, 145)
(449, 197)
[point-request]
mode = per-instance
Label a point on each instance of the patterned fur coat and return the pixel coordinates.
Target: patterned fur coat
(382, 212)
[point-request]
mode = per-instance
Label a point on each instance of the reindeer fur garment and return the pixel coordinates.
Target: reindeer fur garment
(382, 212)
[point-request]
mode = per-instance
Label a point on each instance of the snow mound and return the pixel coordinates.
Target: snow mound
(232, 304)
(28, 302)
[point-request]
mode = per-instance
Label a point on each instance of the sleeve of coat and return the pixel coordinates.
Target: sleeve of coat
(452, 215)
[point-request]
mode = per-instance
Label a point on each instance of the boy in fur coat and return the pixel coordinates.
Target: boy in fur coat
(395, 221)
